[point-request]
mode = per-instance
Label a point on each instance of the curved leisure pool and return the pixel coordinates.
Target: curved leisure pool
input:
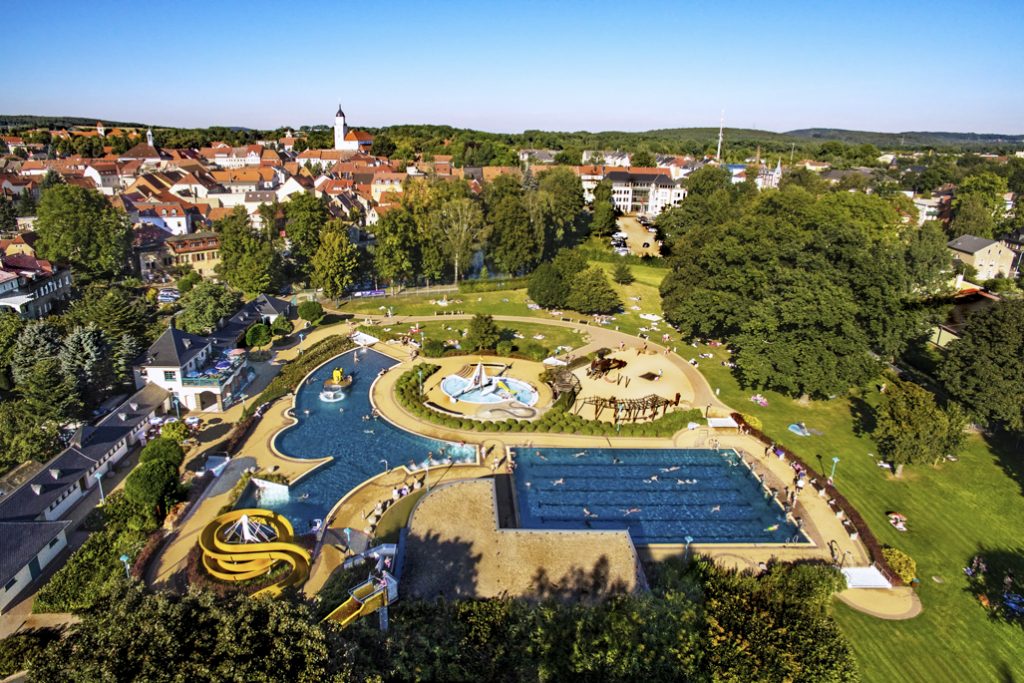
(358, 446)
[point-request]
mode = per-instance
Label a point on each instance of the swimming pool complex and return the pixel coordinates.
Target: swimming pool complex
(659, 495)
(500, 389)
(358, 446)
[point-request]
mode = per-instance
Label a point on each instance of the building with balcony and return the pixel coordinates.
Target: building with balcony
(648, 192)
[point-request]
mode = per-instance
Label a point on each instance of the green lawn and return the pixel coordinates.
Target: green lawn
(514, 302)
(955, 510)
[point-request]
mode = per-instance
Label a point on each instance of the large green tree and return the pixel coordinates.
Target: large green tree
(85, 360)
(80, 227)
(204, 306)
(513, 243)
(306, 217)
(984, 369)
(248, 261)
(482, 333)
(37, 340)
(458, 224)
(910, 426)
(335, 262)
(396, 252)
(115, 310)
(591, 293)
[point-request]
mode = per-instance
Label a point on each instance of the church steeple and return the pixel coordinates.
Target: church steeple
(340, 129)
(149, 137)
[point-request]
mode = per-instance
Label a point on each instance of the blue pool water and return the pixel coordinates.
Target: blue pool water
(725, 505)
(453, 385)
(357, 446)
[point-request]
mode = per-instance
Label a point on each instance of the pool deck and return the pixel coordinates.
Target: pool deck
(820, 523)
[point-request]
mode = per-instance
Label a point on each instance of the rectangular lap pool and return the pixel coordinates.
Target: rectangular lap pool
(659, 495)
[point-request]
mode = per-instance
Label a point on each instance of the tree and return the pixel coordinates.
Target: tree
(50, 180)
(546, 287)
(643, 159)
(335, 262)
(163, 448)
(176, 432)
(38, 339)
(514, 248)
(23, 436)
(249, 262)
(281, 326)
(973, 217)
(48, 395)
(125, 350)
(707, 180)
(927, 258)
(396, 250)
(152, 485)
(910, 428)
(11, 326)
(86, 362)
(8, 215)
(382, 146)
(566, 192)
(311, 311)
(603, 222)
(115, 310)
(78, 226)
(591, 293)
(26, 204)
(483, 333)
(459, 225)
(622, 274)
(982, 194)
(204, 306)
(256, 336)
(984, 369)
(188, 281)
(306, 217)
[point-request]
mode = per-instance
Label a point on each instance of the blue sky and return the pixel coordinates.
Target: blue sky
(505, 66)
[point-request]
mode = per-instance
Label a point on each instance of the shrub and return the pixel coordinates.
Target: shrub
(152, 484)
(753, 421)
(433, 348)
(281, 326)
(901, 563)
(18, 650)
(622, 274)
(504, 347)
(163, 448)
(311, 311)
(175, 431)
(258, 335)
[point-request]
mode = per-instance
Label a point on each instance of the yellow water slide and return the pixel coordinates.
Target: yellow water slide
(366, 598)
(229, 561)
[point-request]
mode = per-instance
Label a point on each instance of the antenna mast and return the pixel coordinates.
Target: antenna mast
(721, 128)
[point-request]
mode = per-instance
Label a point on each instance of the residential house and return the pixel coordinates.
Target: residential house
(386, 182)
(990, 258)
(30, 286)
(607, 158)
(34, 517)
(200, 250)
(192, 370)
(537, 156)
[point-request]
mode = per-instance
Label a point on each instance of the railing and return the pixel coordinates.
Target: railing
(203, 381)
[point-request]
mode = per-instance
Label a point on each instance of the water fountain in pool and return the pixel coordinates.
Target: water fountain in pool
(334, 386)
(479, 387)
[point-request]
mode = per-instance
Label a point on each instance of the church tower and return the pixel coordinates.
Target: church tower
(149, 137)
(340, 129)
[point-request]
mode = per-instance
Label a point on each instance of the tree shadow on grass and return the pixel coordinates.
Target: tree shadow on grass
(1009, 450)
(997, 583)
(863, 414)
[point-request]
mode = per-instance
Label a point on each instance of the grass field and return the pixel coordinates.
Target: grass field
(955, 510)
(514, 302)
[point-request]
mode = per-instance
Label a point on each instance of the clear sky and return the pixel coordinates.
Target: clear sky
(510, 66)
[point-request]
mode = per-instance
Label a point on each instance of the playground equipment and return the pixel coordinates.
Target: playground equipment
(333, 387)
(629, 409)
(245, 544)
(599, 367)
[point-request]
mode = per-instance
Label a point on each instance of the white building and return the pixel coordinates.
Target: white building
(644, 192)
(608, 158)
(347, 140)
(33, 517)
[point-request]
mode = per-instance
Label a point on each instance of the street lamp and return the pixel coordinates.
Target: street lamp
(99, 480)
(127, 572)
(686, 552)
(177, 406)
(835, 461)
(419, 373)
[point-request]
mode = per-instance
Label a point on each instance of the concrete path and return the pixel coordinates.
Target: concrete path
(893, 604)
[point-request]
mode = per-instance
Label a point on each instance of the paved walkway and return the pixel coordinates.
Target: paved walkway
(893, 604)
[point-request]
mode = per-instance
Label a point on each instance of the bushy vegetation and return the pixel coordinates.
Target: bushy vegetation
(901, 563)
(19, 651)
(295, 371)
(558, 419)
(162, 448)
(698, 623)
(94, 572)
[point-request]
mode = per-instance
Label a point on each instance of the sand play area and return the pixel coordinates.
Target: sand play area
(645, 373)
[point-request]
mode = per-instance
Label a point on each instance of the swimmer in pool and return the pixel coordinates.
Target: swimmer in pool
(716, 508)
(540, 455)
(653, 478)
(616, 461)
(581, 454)
(670, 469)
(558, 482)
(588, 513)
(631, 511)
(367, 431)
(681, 482)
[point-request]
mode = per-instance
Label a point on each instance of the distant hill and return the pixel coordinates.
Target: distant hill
(57, 122)
(907, 139)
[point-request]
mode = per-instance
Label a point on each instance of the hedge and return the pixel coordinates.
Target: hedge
(493, 285)
(293, 373)
(558, 419)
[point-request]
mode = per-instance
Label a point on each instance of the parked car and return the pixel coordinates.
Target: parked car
(168, 295)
